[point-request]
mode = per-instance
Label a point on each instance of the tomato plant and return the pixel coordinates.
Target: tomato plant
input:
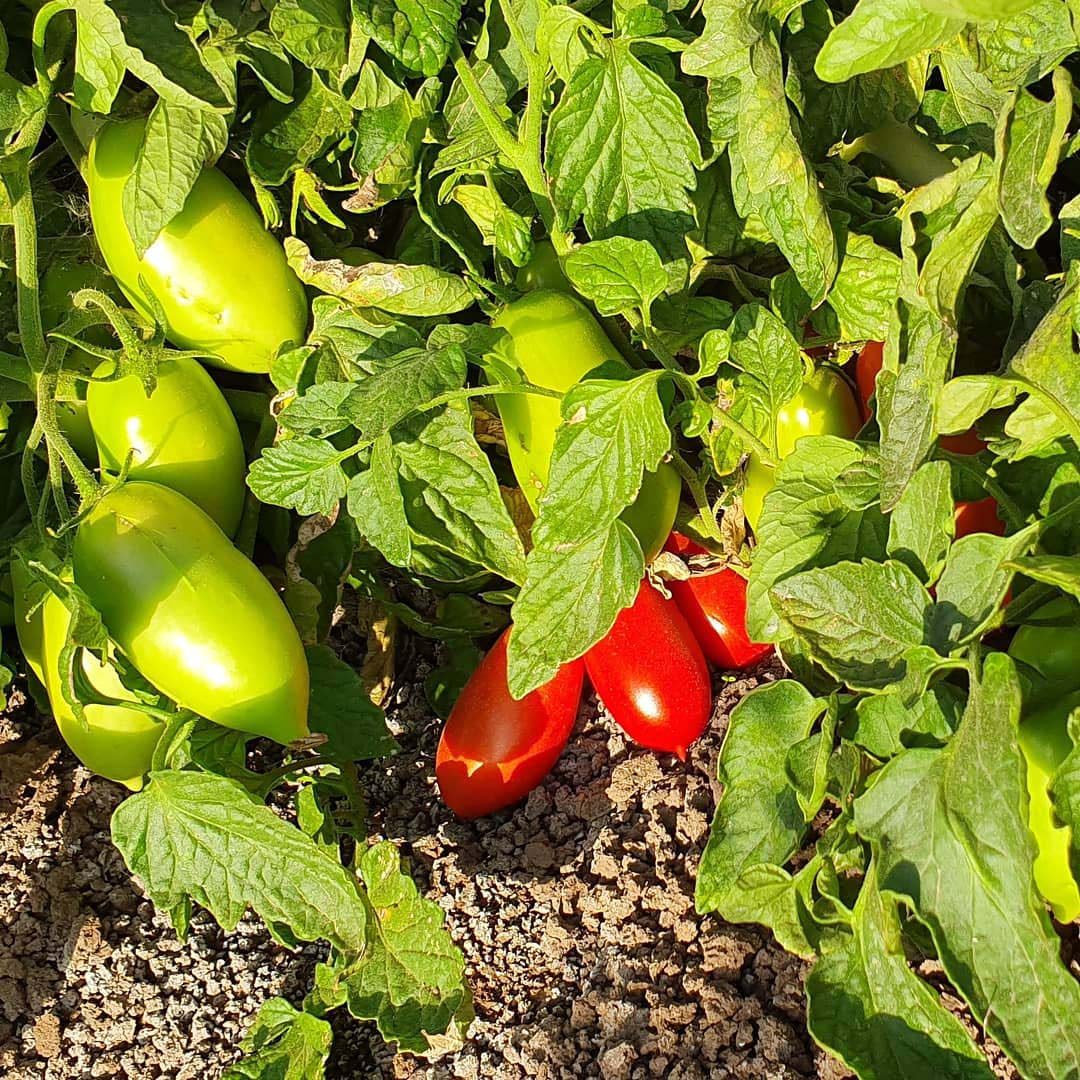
(824, 405)
(554, 341)
(714, 605)
(651, 675)
(220, 278)
(115, 742)
(193, 615)
(494, 750)
(978, 516)
(183, 435)
(543, 271)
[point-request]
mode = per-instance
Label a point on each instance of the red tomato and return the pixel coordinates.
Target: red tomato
(714, 604)
(867, 367)
(651, 674)
(980, 516)
(966, 442)
(495, 750)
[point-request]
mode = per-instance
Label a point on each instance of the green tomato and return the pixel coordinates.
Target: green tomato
(221, 279)
(115, 742)
(194, 616)
(824, 405)
(183, 435)
(1045, 742)
(554, 341)
(1050, 655)
(59, 282)
(543, 271)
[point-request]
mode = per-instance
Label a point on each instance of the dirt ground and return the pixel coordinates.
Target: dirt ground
(574, 911)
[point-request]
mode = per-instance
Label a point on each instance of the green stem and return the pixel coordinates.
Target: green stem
(699, 494)
(247, 531)
(749, 439)
(66, 137)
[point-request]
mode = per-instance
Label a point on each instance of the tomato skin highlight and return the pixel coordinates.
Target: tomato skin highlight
(494, 750)
(555, 341)
(1045, 743)
(184, 436)
(651, 675)
(116, 743)
(193, 615)
(221, 279)
(824, 405)
(714, 606)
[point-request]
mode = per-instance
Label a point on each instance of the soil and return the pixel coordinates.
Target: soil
(574, 911)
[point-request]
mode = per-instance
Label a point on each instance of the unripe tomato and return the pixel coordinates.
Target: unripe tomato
(1045, 743)
(221, 279)
(714, 605)
(58, 284)
(183, 436)
(494, 750)
(1049, 655)
(824, 405)
(116, 743)
(543, 271)
(651, 674)
(194, 616)
(979, 516)
(554, 341)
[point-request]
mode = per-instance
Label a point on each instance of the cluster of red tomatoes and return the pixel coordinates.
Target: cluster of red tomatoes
(650, 671)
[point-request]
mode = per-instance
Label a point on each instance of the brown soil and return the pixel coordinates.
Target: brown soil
(574, 911)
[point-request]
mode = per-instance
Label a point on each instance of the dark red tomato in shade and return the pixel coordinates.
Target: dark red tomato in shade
(979, 516)
(651, 674)
(967, 442)
(494, 750)
(714, 604)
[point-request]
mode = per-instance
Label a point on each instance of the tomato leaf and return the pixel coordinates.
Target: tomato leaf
(203, 837)
(284, 1043)
(870, 1009)
(340, 709)
(949, 832)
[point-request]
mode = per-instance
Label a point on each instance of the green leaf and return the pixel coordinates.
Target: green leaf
(144, 37)
(864, 292)
(419, 33)
(316, 32)
(758, 819)
(1061, 571)
(399, 288)
(196, 836)
(586, 566)
(973, 585)
(888, 723)
(820, 511)
(949, 832)
(764, 350)
(437, 484)
(341, 709)
(283, 1043)
(602, 151)
(410, 979)
(301, 474)
(1064, 786)
(177, 143)
(288, 136)
(882, 34)
(857, 618)
(922, 523)
(1029, 142)
(977, 10)
(772, 897)
(618, 275)
(866, 1005)
(784, 190)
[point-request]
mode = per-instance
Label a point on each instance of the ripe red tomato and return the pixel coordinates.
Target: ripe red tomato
(967, 442)
(651, 674)
(714, 604)
(867, 367)
(979, 516)
(494, 750)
